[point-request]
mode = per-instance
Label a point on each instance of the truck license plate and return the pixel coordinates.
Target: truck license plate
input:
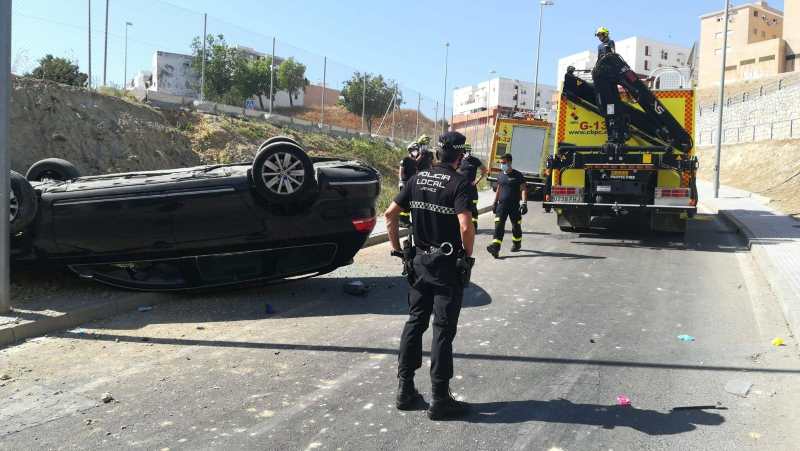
(603, 188)
(619, 173)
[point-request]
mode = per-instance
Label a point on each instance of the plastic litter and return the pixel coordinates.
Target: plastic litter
(145, 308)
(685, 338)
(106, 397)
(268, 309)
(623, 401)
(777, 341)
(739, 388)
(356, 288)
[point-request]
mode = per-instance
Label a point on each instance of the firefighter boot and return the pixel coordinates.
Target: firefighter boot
(494, 249)
(516, 246)
(408, 398)
(444, 407)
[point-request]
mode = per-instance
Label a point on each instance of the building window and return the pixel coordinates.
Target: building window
(647, 50)
(664, 55)
(746, 62)
(646, 65)
(766, 58)
(755, 13)
(727, 68)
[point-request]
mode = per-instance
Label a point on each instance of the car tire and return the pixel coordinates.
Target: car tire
(283, 174)
(279, 139)
(53, 169)
(22, 203)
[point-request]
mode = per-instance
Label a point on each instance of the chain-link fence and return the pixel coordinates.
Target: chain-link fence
(233, 71)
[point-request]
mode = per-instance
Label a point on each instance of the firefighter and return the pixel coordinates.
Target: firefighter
(425, 156)
(438, 267)
(510, 202)
(606, 45)
(408, 167)
(470, 167)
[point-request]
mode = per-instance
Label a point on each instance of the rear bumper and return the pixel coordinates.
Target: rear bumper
(616, 207)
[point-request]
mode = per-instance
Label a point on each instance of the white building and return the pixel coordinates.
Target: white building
(501, 93)
(643, 55)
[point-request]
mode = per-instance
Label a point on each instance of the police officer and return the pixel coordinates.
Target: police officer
(470, 167)
(438, 268)
(408, 167)
(511, 188)
(606, 45)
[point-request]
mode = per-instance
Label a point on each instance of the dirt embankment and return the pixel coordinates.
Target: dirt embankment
(768, 168)
(95, 132)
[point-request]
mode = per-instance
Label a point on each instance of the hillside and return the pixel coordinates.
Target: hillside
(103, 134)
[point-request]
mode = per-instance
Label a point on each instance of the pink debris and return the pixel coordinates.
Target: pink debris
(623, 400)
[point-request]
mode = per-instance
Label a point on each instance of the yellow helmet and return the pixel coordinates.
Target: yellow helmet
(601, 30)
(424, 140)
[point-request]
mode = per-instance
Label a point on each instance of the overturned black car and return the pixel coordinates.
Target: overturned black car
(283, 216)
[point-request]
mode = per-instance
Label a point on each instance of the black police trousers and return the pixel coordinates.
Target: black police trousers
(473, 205)
(507, 211)
(436, 291)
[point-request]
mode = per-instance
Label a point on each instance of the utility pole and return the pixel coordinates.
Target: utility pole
(394, 109)
(203, 61)
(272, 78)
(324, 80)
(542, 4)
(90, 44)
(105, 48)
(717, 165)
(125, 77)
(364, 104)
(5, 185)
(444, 98)
(419, 105)
(436, 117)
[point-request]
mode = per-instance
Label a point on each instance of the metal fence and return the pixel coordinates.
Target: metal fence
(782, 129)
(756, 92)
(107, 45)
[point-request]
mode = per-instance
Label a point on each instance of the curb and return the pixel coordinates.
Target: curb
(22, 331)
(784, 293)
(37, 328)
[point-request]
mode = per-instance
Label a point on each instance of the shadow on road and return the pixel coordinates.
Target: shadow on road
(650, 422)
(526, 253)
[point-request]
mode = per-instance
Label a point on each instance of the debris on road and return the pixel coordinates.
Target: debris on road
(106, 398)
(145, 308)
(685, 338)
(623, 401)
(778, 342)
(706, 407)
(268, 309)
(356, 288)
(739, 388)
(5, 377)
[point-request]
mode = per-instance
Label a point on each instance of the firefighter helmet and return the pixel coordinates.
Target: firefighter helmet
(601, 30)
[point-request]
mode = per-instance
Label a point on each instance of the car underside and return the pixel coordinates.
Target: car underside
(282, 216)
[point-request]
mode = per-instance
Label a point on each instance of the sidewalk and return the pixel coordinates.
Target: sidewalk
(379, 235)
(773, 238)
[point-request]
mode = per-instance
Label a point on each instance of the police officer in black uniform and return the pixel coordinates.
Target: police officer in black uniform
(408, 167)
(438, 268)
(470, 166)
(511, 188)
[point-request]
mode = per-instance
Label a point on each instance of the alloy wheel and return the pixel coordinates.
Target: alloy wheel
(13, 205)
(283, 173)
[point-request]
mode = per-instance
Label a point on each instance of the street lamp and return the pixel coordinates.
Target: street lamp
(717, 165)
(125, 77)
(486, 124)
(542, 4)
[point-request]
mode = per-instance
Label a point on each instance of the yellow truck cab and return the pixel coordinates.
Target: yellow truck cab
(528, 140)
(651, 175)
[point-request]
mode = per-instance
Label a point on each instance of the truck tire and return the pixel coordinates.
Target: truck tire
(284, 174)
(52, 169)
(23, 203)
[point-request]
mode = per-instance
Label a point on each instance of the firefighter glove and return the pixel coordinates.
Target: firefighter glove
(523, 208)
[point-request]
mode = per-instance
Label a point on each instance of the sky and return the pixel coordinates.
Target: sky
(402, 40)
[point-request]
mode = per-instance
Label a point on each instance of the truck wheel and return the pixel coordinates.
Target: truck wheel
(52, 169)
(23, 203)
(283, 173)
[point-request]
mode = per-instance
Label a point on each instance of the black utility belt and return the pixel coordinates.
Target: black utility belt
(446, 249)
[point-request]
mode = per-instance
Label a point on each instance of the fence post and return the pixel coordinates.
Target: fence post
(737, 135)
(203, 60)
(770, 130)
(324, 81)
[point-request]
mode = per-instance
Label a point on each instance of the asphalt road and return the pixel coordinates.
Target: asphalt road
(548, 339)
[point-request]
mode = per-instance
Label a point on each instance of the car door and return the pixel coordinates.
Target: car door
(214, 216)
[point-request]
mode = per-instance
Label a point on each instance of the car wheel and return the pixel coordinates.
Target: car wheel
(283, 173)
(22, 203)
(52, 169)
(278, 139)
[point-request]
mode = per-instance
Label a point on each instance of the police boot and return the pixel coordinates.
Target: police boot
(516, 246)
(408, 398)
(494, 249)
(444, 407)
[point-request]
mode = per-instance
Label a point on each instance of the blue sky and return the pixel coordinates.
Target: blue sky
(401, 40)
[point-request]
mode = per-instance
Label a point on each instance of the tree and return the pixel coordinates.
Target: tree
(59, 70)
(379, 96)
(292, 77)
(223, 64)
(260, 70)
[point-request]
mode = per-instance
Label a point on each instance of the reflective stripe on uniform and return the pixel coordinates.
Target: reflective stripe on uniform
(405, 213)
(475, 201)
(433, 207)
(497, 241)
(497, 219)
(519, 222)
(516, 240)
